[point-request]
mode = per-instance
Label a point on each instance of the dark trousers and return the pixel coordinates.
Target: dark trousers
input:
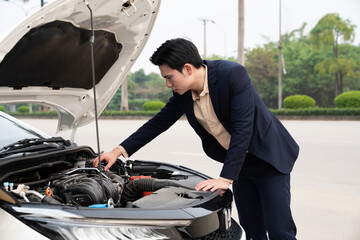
(262, 197)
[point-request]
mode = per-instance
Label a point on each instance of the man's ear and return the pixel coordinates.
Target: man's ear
(188, 68)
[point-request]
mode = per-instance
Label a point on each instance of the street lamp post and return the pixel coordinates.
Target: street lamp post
(205, 20)
(280, 63)
(241, 31)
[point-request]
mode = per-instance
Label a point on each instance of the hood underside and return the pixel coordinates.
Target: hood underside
(47, 58)
(59, 57)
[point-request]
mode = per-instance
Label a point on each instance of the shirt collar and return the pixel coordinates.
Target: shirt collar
(195, 94)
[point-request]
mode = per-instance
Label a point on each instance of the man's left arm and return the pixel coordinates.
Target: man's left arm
(241, 98)
(241, 101)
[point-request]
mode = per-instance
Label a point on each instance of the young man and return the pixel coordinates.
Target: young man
(236, 129)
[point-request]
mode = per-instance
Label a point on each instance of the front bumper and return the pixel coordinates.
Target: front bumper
(235, 232)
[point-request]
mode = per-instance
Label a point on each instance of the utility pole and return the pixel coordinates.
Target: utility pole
(205, 20)
(280, 63)
(124, 97)
(241, 31)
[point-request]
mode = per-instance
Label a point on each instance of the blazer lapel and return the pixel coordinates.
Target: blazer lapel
(213, 88)
(218, 95)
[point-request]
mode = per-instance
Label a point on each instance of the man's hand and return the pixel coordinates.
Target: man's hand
(212, 185)
(109, 157)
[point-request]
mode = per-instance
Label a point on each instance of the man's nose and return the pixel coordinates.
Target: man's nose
(168, 83)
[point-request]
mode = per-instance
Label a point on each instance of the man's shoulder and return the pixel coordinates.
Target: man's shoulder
(222, 63)
(223, 66)
(224, 70)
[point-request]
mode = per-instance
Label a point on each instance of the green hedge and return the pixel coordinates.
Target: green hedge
(349, 99)
(128, 113)
(281, 112)
(317, 112)
(137, 104)
(2, 108)
(153, 105)
(299, 101)
(34, 113)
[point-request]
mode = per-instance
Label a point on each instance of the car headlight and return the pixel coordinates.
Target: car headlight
(106, 232)
(55, 223)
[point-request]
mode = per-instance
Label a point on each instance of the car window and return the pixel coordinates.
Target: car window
(12, 131)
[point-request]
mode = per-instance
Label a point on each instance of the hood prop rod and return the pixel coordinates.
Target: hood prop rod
(92, 41)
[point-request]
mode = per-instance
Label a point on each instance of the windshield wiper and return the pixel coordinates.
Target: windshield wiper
(33, 144)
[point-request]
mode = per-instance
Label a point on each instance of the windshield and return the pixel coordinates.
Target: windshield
(13, 130)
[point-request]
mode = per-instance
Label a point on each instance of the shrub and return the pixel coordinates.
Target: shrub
(2, 108)
(299, 101)
(349, 99)
(153, 105)
(317, 112)
(137, 104)
(23, 109)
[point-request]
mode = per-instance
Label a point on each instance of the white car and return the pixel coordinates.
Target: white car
(49, 189)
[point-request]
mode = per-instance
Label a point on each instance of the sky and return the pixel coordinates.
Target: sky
(182, 18)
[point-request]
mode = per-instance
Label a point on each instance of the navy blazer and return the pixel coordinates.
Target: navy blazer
(253, 128)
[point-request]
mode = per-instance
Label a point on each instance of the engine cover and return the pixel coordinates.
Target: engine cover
(87, 189)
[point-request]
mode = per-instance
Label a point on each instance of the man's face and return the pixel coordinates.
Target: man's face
(178, 82)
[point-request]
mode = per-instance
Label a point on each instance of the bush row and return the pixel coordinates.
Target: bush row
(128, 113)
(34, 113)
(279, 112)
(317, 112)
(349, 99)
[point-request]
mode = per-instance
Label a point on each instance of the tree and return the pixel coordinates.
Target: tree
(217, 57)
(261, 65)
(138, 77)
(328, 33)
(151, 86)
(300, 60)
(352, 80)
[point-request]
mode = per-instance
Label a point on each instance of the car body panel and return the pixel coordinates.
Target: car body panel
(173, 208)
(46, 59)
(12, 228)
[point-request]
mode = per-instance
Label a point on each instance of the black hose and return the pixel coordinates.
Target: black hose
(50, 200)
(133, 190)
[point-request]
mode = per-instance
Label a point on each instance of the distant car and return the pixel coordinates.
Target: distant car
(49, 189)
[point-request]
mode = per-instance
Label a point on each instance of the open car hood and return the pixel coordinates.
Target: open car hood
(47, 58)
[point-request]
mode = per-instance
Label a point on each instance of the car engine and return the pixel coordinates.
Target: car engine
(80, 184)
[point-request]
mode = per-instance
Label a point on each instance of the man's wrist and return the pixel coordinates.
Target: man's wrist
(117, 152)
(120, 150)
(227, 180)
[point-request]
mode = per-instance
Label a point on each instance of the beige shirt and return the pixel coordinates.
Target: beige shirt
(205, 114)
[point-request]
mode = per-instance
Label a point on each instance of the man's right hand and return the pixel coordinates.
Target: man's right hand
(109, 157)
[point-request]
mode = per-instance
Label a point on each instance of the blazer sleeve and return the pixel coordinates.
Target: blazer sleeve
(168, 115)
(241, 101)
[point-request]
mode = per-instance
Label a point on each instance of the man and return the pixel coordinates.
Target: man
(236, 129)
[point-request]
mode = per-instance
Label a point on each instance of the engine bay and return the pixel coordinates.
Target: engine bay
(129, 184)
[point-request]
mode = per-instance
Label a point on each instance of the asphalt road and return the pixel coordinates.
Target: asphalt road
(325, 182)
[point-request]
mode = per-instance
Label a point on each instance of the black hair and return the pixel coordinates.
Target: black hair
(175, 53)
